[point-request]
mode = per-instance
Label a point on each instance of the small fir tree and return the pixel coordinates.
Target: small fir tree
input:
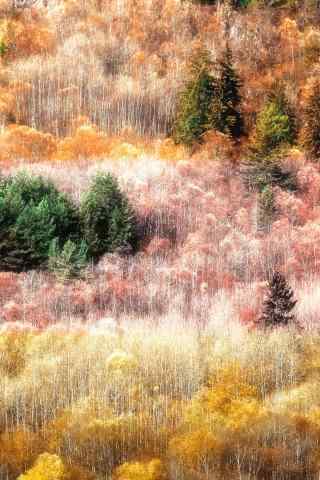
(277, 308)
(310, 135)
(226, 116)
(194, 106)
(272, 129)
(69, 261)
(267, 209)
(278, 96)
(108, 222)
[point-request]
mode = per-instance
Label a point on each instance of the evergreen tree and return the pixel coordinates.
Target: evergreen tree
(310, 135)
(208, 101)
(107, 220)
(226, 116)
(32, 214)
(68, 261)
(275, 130)
(266, 209)
(278, 96)
(272, 129)
(194, 107)
(277, 308)
(276, 124)
(259, 172)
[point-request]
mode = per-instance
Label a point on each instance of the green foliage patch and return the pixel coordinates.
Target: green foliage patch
(41, 227)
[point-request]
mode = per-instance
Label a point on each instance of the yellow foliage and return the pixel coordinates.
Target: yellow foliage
(225, 391)
(22, 142)
(244, 416)
(121, 363)
(152, 470)
(86, 143)
(289, 30)
(168, 150)
(195, 448)
(47, 467)
(12, 353)
(126, 150)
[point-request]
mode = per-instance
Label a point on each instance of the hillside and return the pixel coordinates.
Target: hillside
(159, 240)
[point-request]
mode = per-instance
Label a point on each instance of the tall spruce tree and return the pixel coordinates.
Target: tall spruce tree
(277, 308)
(226, 116)
(194, 106)
(310, 135)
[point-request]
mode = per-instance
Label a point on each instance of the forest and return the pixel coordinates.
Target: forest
(159, 240)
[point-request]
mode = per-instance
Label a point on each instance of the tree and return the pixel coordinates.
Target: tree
(275, 130)
(47, 467)
(209, 101)
(226, 116)
(278, 306)
(278, 96)
(310, 135)
(69, 261)
(108, 221)
(193, 117)
(266, 209)
(32, 214)
(152, 470)
(261, 172)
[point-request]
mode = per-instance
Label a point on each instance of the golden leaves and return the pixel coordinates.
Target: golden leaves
(22, 142)
(152, 470)
(47, 467)
(87, 142)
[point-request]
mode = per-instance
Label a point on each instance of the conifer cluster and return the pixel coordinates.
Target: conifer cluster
(210, 99)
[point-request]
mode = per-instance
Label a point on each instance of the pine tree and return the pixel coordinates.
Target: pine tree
(108, 221)
(226, 116)
(277, 308)
(310, 135)
(69, 261)
(275, 130)
(272, 129)
(194, 106)
(208, 101)
(32, 214)
(259, 172)
(278, 96)
(266, 209)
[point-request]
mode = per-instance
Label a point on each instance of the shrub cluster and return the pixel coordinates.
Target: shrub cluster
(41, 227)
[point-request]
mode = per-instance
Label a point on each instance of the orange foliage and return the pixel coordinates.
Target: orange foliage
(167, 150)
(22, 142)
(18, 449)
(87, 142)
(29, 39)
(7, 102)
